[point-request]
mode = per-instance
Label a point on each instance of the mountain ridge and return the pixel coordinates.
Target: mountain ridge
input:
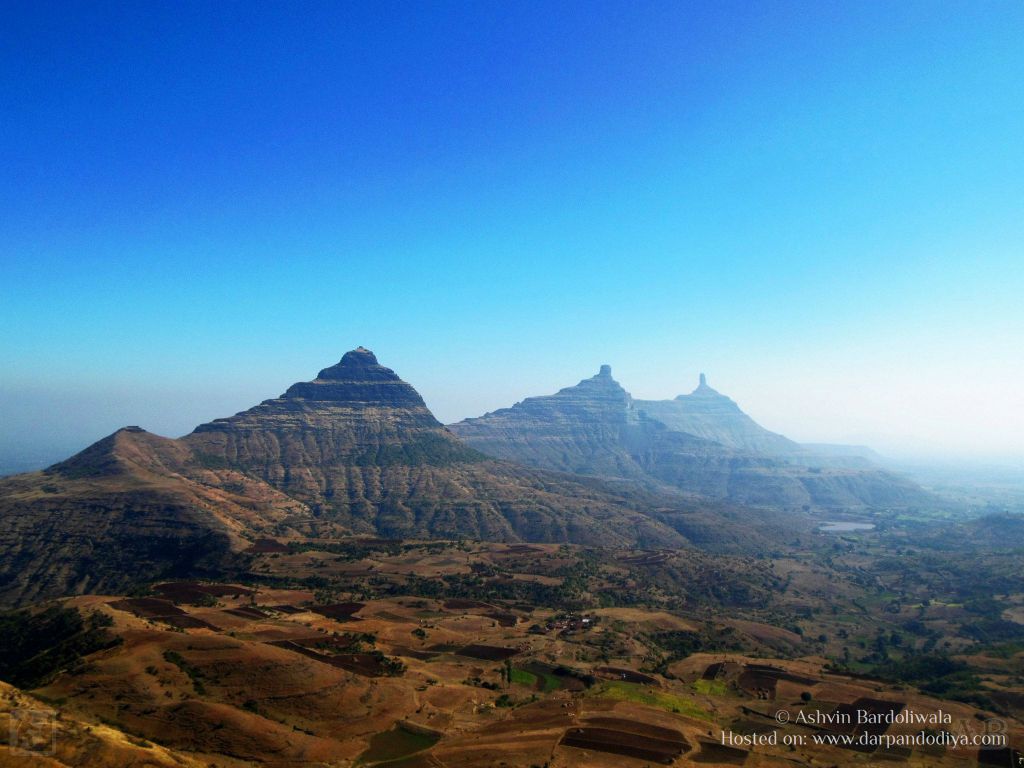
(355, 451)
(707, 413)
(617, 436)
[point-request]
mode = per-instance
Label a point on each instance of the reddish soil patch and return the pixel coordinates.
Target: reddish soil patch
(246, 612)
(339, 611)
(1012, 700)
(363, 664)
(541, 715)
(747, 727)
(326, 642)
(628, 675)
(781, 674)
(713, 752)
(641, 729)
(425, 760)
(761, 680)
(184, 621)
(155, 609)
(642, 746)
(267, 546)
(1000, 757)
(758, 684)
(225, 590)
(191, 591)
(458, 604)
(289, 609)
(713, 671)
(875, 707)
(487, 652)
(412, 653)
(504, 619)
(720, 668)
(389, 616)
(148, 607)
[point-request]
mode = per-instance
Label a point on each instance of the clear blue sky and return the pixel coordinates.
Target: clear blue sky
(821, 204)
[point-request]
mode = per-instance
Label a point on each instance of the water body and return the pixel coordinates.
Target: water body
(841, 526)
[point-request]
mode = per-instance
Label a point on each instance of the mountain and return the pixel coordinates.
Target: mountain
(355, 451)
(707, 413)
(131, 505)
(596, 428)
(358, 446)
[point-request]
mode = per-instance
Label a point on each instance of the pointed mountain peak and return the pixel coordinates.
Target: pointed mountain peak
(599, 388)
(359, 364)
(357, 379)
(113, 454)
(355, 415)
(702, 390)
(602, 379)
(360, 353)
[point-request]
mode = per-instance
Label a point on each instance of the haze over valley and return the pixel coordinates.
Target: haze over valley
(511, 385)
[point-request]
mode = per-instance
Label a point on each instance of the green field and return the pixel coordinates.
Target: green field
(622, 691)
(551, 682)
(548, 682)
(710, 687)
(394, 744)
(522, 677)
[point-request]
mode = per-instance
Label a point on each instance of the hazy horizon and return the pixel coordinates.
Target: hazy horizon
(793, 404)
(817, 205)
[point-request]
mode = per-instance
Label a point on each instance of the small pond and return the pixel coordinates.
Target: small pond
(844, 526)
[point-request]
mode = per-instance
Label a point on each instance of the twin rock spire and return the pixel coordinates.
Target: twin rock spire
(606, 373)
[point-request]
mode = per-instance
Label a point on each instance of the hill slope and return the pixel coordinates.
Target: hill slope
(133, 505)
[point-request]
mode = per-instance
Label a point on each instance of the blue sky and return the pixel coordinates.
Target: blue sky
(820, 204)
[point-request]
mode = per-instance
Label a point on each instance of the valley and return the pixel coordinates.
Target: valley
(429, 653)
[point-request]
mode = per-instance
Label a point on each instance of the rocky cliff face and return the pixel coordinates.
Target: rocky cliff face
(596, 428)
